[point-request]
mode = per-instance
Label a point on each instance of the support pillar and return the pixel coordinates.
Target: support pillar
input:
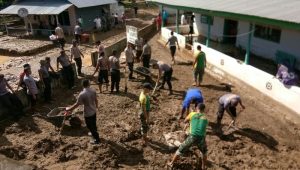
(56, 17)
(177, 21)
(208, 30)
(249, 44)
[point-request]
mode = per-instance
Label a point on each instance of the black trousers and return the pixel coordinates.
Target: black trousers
(167, 77)
(115, 80)
(130, 67)
(61, 42)
(221, 111)
(146, 60)
(47, 90)
(173, 50)
(78, 38)
(11, 104)
(78, 62)
(91, 125)
(68, 75)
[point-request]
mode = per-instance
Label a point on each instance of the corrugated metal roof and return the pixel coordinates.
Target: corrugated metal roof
(89, 3)
(283, 10)
(38, 8)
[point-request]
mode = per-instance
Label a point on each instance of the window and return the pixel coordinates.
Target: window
(64, 19)
(267, 33)
(205, 19)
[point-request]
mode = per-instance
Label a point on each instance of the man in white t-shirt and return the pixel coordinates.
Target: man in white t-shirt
(60, 36)
(97, 22)
(129, 59)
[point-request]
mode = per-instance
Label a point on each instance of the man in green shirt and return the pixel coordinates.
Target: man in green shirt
(198, 124)
(199, 66)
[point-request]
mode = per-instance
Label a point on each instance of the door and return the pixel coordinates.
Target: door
(230, 31)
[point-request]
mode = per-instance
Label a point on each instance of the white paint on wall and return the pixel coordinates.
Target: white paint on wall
(216, 29)
(258, 79)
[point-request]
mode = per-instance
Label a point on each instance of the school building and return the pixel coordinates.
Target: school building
(270, 29)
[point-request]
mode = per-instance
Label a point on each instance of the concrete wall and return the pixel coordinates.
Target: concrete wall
(223, 66)
(289, 42)
(216, 29)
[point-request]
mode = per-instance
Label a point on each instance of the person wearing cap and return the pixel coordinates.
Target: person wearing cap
(167, 71)
(32, 90)
(228, 103)
(67, 70)
(129, 55)
(103, 66)
(146, 54)
(8, 100)
(145, 109)
(45, 79)
(21, 78)
(198, 123)
(77, 54)
(88, 98)
(192, 96)
(114, 65)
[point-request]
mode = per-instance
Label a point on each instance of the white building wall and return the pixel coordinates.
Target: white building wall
(289, 42)
(216, 29)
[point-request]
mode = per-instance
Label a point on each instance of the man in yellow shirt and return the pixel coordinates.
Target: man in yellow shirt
(145, 109)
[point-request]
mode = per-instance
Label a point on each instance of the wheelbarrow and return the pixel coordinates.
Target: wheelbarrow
(59, 116)
(143, 71)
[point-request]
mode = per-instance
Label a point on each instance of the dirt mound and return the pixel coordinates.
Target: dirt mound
(14, 152)
(46, 146)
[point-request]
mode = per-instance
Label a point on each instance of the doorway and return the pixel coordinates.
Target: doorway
(230, 31)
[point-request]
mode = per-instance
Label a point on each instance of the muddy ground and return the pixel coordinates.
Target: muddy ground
(268, 138)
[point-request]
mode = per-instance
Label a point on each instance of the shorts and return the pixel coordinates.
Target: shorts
(221, 111)
(189, 142)
(144, 127)
(103, 77)
(173, 50)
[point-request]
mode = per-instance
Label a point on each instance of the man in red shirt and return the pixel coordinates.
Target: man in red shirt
(158, 22)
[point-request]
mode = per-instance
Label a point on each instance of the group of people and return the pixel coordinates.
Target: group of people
(193, 107)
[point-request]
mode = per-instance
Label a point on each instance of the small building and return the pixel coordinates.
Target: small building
(270, 29)
(46, 14)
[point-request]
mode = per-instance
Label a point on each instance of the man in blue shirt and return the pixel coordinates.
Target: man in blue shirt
(193, 96)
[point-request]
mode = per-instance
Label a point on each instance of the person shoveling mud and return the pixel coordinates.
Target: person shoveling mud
(228, 103)
(197, 134)
(88, 99)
